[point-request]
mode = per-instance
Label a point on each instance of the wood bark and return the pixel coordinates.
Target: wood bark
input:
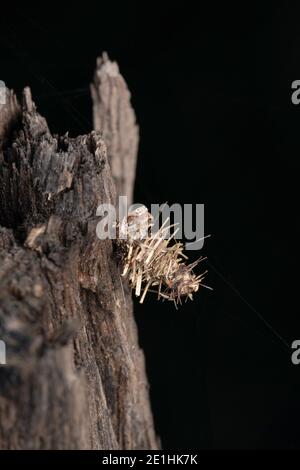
(75, 375)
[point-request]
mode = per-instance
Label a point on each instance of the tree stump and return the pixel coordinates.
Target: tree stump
(75, 375)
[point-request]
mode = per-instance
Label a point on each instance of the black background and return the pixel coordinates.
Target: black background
(212, 91)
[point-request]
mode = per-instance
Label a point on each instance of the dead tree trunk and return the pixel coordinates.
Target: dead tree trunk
(115, 118)
(75, 376)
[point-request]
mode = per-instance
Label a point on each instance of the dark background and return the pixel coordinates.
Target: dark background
(212, 91)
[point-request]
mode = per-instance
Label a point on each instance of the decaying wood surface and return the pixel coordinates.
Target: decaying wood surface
(115, 117)
(75, 376)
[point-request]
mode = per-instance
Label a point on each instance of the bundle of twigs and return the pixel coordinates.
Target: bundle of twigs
(151, 261)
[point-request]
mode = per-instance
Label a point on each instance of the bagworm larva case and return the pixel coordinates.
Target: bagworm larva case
(152, 263)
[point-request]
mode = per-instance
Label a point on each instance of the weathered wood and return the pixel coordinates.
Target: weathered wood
(115, 117)
(75, 376)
